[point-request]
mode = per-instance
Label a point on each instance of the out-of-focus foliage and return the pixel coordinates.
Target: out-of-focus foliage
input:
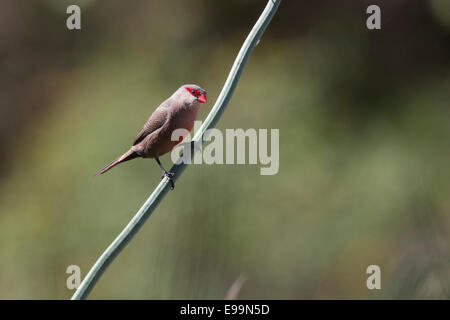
(364, 149)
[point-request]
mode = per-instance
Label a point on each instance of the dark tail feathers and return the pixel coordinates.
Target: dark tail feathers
(130, 154)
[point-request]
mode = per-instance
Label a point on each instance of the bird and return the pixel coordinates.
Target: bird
(179, 111)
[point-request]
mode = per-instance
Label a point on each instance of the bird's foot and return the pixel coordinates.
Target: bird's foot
(169, 176)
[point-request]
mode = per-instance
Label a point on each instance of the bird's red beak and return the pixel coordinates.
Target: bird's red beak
(202, 98)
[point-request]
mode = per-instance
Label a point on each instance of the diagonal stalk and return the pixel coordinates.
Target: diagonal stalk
(161, 190)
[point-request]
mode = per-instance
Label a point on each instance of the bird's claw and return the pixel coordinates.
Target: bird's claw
(169, 176)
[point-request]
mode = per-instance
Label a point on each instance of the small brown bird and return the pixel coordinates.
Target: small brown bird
(154, 139)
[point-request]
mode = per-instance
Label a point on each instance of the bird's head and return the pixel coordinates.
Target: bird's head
(193, 93)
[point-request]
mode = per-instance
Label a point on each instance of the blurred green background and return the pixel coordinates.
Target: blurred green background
(364, 149)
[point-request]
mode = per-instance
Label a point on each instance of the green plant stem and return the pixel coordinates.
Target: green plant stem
(161, 190)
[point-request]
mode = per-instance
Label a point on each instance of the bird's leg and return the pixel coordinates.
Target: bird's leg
(167, 174)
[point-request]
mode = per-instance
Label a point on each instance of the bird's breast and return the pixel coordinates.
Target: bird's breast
(168, 138)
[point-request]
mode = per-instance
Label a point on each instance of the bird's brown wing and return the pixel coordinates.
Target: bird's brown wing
(156, 121)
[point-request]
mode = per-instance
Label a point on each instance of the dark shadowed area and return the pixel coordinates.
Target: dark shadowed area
(364, 143)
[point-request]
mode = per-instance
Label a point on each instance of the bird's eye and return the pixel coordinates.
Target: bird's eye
(195, 93)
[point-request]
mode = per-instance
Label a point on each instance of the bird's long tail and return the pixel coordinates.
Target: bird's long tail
(130, 154)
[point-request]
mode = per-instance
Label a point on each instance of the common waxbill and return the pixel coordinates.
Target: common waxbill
(154, 139)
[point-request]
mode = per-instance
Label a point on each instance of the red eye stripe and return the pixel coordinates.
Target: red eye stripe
(194, 92)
